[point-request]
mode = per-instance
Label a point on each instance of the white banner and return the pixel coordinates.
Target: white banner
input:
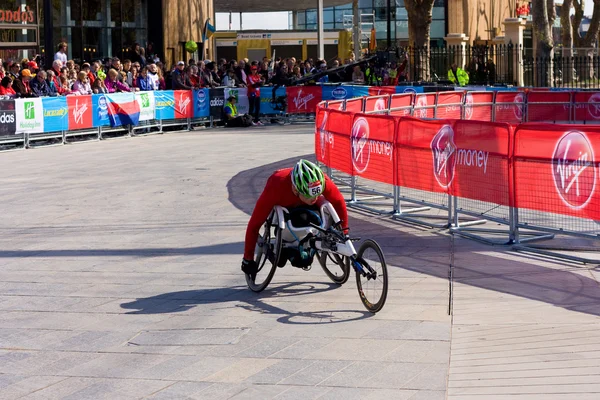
(147, 105)
(241, 94)
(281, 42)
(30, 115)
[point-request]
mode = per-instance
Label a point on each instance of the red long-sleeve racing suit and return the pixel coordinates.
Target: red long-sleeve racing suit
(278, 192)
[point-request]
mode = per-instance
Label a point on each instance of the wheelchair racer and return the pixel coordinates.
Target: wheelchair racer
(295, 189)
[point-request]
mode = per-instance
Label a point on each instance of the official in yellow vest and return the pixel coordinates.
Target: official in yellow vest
(459, 75)
(232, 118)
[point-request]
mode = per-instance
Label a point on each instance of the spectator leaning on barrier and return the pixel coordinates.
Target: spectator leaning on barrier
(456, 74)
(98, 87)
(179, 78)
(22, 86)
(13, 70)
(112, 83)
(39, 86)
(153, 78)
(196, 81)
(240, 72)
(143, 82)
(357, 75)
(87, 69)
(82, 84)
(61, 54)
(230, 80)
(6, 88)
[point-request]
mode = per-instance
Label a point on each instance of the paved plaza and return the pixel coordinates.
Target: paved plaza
(120, 279)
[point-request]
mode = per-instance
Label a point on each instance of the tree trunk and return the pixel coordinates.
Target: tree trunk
(542, 36)
(419, 22)
(567, 41)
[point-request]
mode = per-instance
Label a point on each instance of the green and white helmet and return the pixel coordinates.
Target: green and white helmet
(308, 179)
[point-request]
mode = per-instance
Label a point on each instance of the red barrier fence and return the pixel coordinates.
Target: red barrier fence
(546, 173)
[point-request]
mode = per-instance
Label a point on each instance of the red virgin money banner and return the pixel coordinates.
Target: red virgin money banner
(479, 106)
(336, 139)
(184, 106)
(556, 169)
(80, 112)
(587, 107)
(401, 104)
(548, 106)
(480, 162)
(377, 104)
(510, 107)
(449, 105)
(372, 147)
(354, 105)
(424, 105)
(379, 90)
(303, 99)
(425, 153)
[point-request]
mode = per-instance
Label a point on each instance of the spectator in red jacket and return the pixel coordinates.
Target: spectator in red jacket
(6, 88)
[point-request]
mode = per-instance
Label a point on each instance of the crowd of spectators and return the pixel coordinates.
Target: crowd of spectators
(26, 78)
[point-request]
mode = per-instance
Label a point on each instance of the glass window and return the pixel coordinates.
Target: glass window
(438, 13)
(438, 29)
(328, 17)
(401, 13)
(328, 26)
(301, 18)
(94, 43)
(115, 11)
(75, 10)
(92, 10)
(365, 3)
(117, 49)
(402, 29)
(311, 17)
(400, 3)
(131, 10)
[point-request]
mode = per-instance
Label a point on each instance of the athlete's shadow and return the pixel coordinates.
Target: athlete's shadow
(177, 302)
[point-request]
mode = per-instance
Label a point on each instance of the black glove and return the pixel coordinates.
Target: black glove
(250, 267)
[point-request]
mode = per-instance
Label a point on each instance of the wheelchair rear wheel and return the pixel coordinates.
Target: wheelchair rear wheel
(266, 255)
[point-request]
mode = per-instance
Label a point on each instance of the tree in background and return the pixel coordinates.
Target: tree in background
(571, 37)
(419, 33)
(543, 16)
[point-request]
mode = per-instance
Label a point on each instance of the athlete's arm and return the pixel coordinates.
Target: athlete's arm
(335, 197)
(264, 205)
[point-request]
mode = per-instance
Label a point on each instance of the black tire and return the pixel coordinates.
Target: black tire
(371, 257)
(339, 266)
(271, 235)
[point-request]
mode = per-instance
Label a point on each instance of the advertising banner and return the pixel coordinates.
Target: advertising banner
(426, 152)
(303, 99)
(372, 147)
(8, 125)
(336, 130)
(56, 112)
(30, 115)
(449, 105)
(510, 107)
(376, 104)
(123, 109)
(270, 107)
(480, 162)
(424, 105)
(548, 106)
(409, 89)
(556, 169)
(479, 106)
(217, 102)
(147, 104)
(241, 94)
(587, 107)
(100, 107)
(322, 137)
(329, 92)
(201, 103)
(379, 90)
(81, 114)
(355, 105)
(165, 104)
(184, 107)
(360, 91)
(401, 104)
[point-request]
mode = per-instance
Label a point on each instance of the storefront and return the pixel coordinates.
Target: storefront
(19, 28)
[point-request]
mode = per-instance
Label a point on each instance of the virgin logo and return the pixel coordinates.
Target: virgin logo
(469, 106)
(183, 104)
(444, 156)
(79, 111)
(594, 105)
(325, 136)
(574, 170)
(518, 106)
(302, 102)
(380, 105)
(360, 150)
(421, 103)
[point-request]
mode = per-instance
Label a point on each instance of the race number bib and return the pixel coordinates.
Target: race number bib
(315, 188)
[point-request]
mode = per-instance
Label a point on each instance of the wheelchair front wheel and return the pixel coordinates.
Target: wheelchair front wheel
(372, 288)
(266, 256)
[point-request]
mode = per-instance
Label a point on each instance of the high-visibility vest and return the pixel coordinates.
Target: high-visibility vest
(233, 109)
(463, 77)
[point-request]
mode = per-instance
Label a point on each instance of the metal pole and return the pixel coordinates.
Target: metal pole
(389, 24)
(321, 44)
(356, 29)
(48, 31)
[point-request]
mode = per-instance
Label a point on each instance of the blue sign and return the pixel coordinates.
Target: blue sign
(201, 103)
(409, 89)
(165, 104)
(267, 106)
(360, 91)
(56, 114)
(337, 92)
(500, 89)
(100, 108)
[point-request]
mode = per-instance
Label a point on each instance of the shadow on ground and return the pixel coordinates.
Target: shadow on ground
(176, 302)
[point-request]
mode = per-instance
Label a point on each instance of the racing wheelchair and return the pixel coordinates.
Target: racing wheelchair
(281, 240)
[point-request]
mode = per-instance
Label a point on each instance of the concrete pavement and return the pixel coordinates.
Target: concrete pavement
(120, 279)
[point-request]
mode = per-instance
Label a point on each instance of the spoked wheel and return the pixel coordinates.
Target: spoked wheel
(268, 249)
(335, 266)
(372, 288)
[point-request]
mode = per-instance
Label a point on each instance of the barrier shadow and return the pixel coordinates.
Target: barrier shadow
(177, 302)
(558, 284)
